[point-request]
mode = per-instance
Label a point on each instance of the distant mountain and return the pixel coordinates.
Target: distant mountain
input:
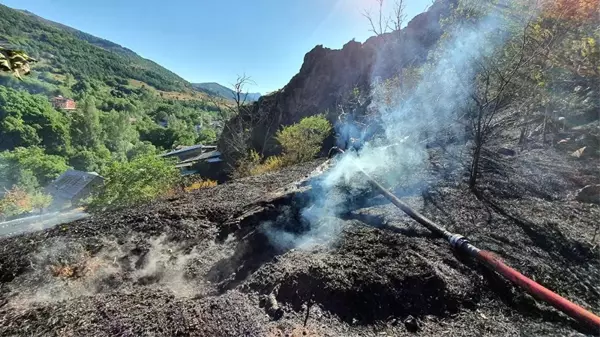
(213, 88)
(65, 50)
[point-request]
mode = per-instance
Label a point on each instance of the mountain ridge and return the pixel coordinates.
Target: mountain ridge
(223, 91)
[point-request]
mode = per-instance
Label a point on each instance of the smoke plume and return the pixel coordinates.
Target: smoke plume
(64, 269)
(410, 119)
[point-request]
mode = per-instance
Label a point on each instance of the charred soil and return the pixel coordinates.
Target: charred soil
(201, 264)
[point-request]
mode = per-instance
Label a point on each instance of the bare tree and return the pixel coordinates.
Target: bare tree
(236, 129)
(498, 83)
(398, 16)
(380, 23)
(238, 99)
(241, 120)
(240, 92)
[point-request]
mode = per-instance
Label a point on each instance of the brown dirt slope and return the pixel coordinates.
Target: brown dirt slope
(200, 265)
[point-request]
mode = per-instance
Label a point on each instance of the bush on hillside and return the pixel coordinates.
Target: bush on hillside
(245, 166)
(29, 168)
(17, 201)
(14, 202)
(40, 201)
(140, 180)
(302, 141)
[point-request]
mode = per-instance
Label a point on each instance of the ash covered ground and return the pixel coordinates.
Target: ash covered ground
(200, 264)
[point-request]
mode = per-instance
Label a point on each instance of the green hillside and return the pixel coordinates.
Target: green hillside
(67, 50)
(127, 107)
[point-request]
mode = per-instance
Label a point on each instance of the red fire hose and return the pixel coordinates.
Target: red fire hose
(461, 244)
(539, 291)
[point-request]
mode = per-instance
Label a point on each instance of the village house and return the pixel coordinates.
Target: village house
(63, 103)
(73, 186)
(200, 159)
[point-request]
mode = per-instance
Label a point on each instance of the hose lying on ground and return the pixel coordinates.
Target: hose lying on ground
(462, 245)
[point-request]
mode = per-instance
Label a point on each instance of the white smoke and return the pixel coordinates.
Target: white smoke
(64, 269)
(430, 110)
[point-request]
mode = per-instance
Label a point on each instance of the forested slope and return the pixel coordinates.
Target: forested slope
(127, 106)
(67, 50)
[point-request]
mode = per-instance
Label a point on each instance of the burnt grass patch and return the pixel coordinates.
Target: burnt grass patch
(371, 299)
(373, 272)
(254, 249)
(382, 273)
(360, 283)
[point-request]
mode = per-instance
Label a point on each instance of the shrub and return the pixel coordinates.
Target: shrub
(40, 201)
(302, 141)
(16, 201)
(29, 168)
(140, 180)
(245, 165)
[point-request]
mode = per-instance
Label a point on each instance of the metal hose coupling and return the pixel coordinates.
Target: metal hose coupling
(462, 244)
(334, 151)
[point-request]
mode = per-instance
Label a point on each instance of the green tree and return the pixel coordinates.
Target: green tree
(14, 132)
(28, 120)
(30, 168)
(207, 136)
(91, 160)
(141, 149)
(81, 87)
(158, 136)
(180, 132)
(118, 133)
(176, 133)
(86, 130)
(69, 80)
(140, 180)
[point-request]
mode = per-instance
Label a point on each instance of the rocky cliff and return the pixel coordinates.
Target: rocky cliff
(327, 77)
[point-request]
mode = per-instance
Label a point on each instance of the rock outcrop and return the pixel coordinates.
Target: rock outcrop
(328, 76)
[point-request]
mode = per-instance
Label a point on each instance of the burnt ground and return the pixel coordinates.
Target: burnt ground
(200, 264)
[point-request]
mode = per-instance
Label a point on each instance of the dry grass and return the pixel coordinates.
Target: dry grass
(251, 165)
(85, 266)
(200, 185)
(271, 164)
(63, 271)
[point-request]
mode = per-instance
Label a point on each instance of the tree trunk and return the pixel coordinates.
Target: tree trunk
(475, 166)
(545, 127)
(523, 137)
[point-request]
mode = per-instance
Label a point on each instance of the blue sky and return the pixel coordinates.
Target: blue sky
(213, 41)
